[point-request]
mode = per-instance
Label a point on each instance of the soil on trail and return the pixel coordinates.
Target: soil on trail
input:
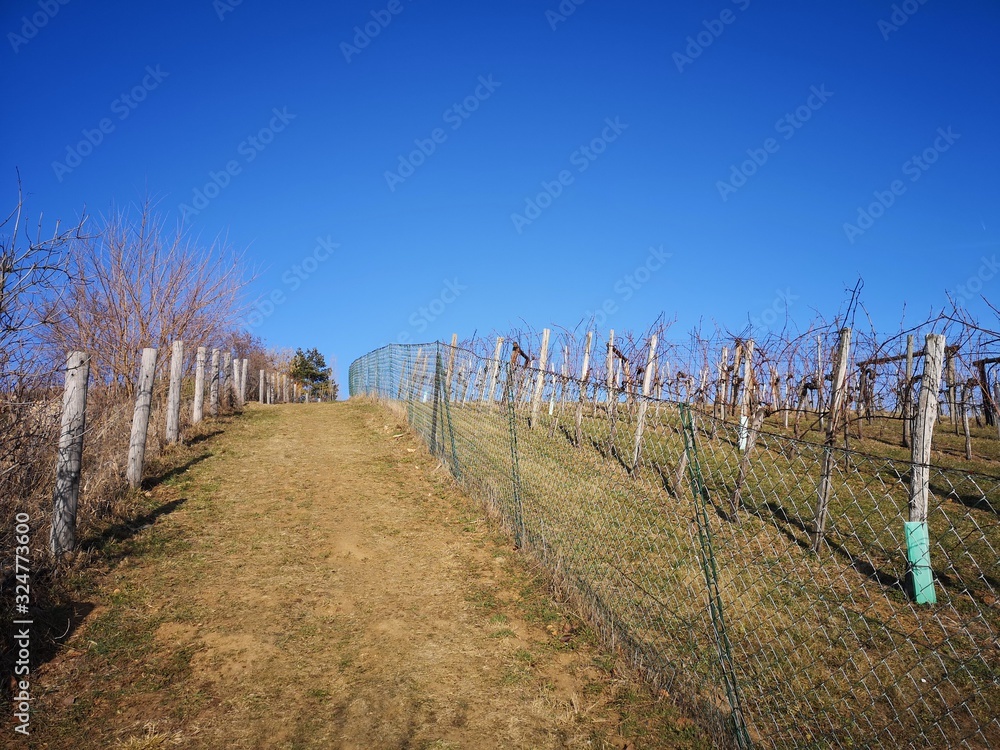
(319, 582)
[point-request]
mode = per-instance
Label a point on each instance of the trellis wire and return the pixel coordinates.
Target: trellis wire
(697, 559)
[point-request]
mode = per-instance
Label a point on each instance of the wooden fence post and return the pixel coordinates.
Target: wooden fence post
(225, 388)
(536, 399)
(213, 386)
(917, 538)
(612, 396)
(563, 380)
(174, 393)
(722, 386)
(236, 381)
(584, 373)
(494, 372)
(451, 364)
(647, 380)
(237, 395)
(243, 380)
(476, 383)
(735, 379)
(198, 411)
(746, 394)
(62, 537)
(140, 418)
(836, 404)
(610, 367)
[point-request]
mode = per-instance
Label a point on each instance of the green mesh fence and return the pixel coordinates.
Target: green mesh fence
(688, 542)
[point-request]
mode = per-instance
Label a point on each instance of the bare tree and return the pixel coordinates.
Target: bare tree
(137, 284)
(32, 273)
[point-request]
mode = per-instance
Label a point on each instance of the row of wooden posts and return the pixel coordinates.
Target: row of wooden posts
(919, 418)
(226, 381)
(790, 395)
(277, 387)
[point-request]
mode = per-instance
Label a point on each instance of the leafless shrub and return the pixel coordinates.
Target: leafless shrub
(33, 270)
(135, 285)
(128, 285)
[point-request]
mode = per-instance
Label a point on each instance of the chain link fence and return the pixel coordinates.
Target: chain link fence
(690, 541)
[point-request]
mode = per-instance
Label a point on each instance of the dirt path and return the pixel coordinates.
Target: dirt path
(318, 583)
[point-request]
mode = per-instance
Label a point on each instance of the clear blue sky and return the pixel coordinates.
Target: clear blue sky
(692, 92)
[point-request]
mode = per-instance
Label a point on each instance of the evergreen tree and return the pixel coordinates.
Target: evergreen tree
(308, 368)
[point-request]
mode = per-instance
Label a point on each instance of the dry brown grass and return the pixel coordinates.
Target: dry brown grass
(320, 582)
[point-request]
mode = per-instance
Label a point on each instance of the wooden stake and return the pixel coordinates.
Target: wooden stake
(737, 361)
(611, 368)
(584, 374)
(836, 404)
(746, 394)
(475, 383)
(213, 387)
(536, 399)
(612, 395)
(722, 387)
(140, 418)
(62, 536)
(225, 386)
(243, 380)
(918, 548)
(198, 410)
(647, 382)
(494, 372)
(563, 380)
(237, 393)
(174, 393)
(451, 364)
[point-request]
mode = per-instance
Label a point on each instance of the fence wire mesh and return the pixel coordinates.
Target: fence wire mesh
(690, 541)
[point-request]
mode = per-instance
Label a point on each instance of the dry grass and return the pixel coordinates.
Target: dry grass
(318, 581)
(827, 647)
